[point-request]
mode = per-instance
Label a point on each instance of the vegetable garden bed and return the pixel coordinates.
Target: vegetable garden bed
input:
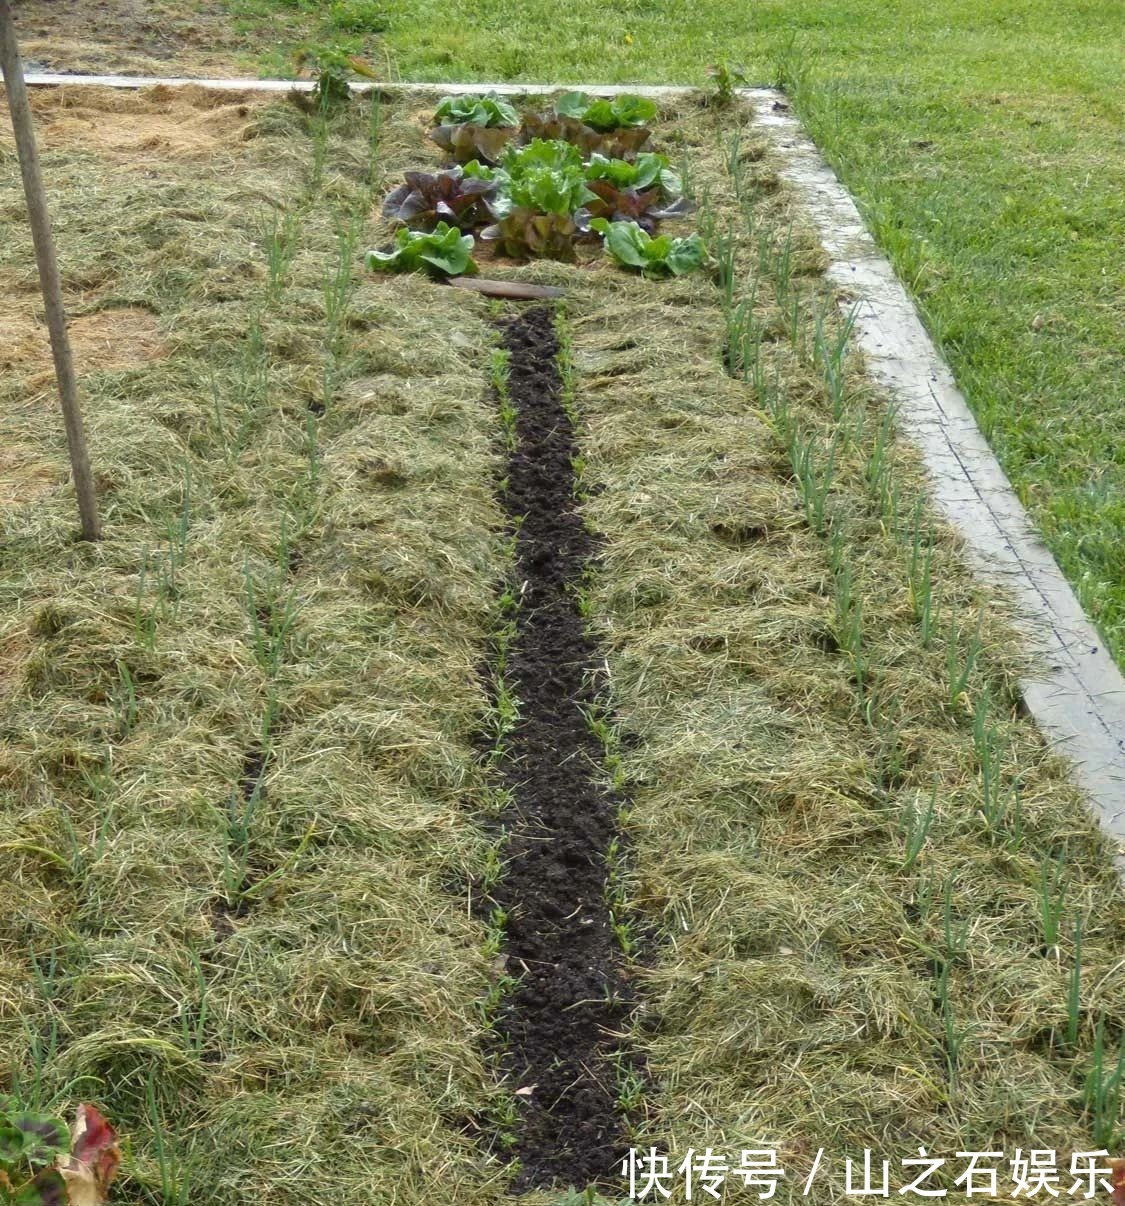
(276, 771)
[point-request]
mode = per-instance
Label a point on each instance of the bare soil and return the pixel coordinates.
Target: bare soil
(563, 1021)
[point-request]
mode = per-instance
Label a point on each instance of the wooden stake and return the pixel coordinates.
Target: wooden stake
(49, 281)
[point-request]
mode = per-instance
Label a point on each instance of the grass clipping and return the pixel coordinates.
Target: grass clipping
(869, 872)
(238, 784)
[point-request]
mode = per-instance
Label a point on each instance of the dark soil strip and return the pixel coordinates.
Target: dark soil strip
(563, 1022)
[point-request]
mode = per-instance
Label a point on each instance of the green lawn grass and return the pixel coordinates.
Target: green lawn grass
(985, 146)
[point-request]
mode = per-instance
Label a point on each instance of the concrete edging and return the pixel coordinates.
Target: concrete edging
(54, 79)
(1076, 693)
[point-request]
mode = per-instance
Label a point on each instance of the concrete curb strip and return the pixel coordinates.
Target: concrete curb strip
(54, 79)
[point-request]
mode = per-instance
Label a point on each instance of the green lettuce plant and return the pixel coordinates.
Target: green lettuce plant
(444, 251)
(546, 176)
(540, 199)
(623, 143)
(643, 191)
(605, 114)
(474, 127)
(489, 110)
(633, 247)
(648, 170)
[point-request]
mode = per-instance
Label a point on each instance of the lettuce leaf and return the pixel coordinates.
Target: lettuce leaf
(488, 110)
(630, 205)
(524, 232)
(555, 155)
(628, 244)
(621, 144)
(455, 196)
(445, 251)
(546, 177)
(481, 171)
(605, 114)
(647, 169)
(644, 191)
(468, 140)
(31, 1139)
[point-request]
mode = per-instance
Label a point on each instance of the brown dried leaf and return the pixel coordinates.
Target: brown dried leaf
(93, 1161)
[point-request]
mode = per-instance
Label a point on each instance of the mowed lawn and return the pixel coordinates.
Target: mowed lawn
(985, 144)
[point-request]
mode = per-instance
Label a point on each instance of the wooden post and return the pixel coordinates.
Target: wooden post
(49, 281)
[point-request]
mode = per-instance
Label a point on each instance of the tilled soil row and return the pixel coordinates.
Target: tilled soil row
(562, 1023)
